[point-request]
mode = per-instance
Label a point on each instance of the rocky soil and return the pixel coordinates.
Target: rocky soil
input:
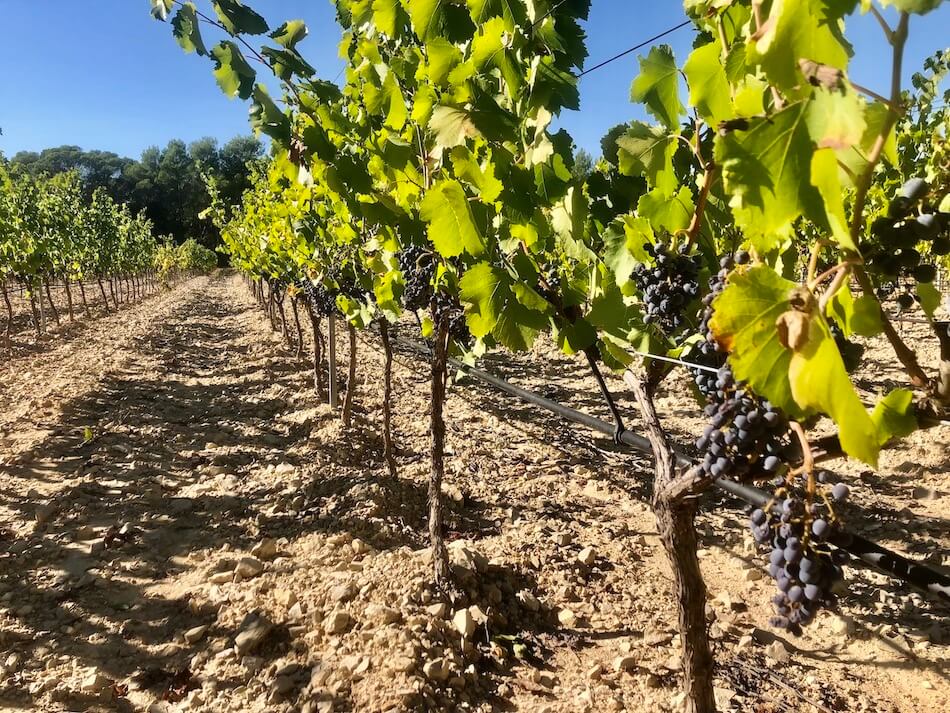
(185, 527)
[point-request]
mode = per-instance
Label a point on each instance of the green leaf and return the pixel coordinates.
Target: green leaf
(239, 19)
(386, 16)
(569, 220)
(186, 30)
(235, 76)
(267, 118)
(575, 337)
(162, 8)
(824, 176)
(481, 178)
(708, 86)
(670, 213)
(930, 298)
(452, 228)
(648, 151)
(624, 241)
(451, 127)
(766, 170)
(801, 378)
(920, 7)
(288, 63)
(426, 17)
(657, 86)
(820, 382)
(894, 416)
(290, 33)
(442, 57)
(860, 316)
(512, 313)
(794, 31)
(836, 119)
(743, 321)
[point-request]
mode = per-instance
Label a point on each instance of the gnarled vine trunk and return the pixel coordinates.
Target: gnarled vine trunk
(674, 505)
(293, 307)
(85, 303)
(52, 305)
(8, 330)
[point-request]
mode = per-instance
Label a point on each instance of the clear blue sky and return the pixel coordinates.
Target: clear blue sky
(105, 75)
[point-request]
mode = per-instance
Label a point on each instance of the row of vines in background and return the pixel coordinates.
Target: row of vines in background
(753, 227)
(51, 236)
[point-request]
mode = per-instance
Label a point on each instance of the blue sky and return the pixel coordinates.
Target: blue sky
(105, 75)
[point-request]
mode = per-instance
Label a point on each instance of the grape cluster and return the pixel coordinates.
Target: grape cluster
(669, 285)
(418, 268)
(447, 306)
(805, 568)
(321, 300)
(745, 435)
(893, 249)
(346, 284)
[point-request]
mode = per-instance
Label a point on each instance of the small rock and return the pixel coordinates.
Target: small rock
(625, 663)
(254, 629)
(295, 612)
(753, 575)
(777, 652)
(464, 623)
(587, 556)
(266, 549)
(284, 685)
(438, 610)
(840, 625)
(382, 614)
(567, 618)
(596, 672)
(85, 532)
(95, 682)
(338, 622)
(221, 577)
(286, 598)
(530, 602)
(44, 513)
(436, 670)
(360, 547)
(249, 567)
(193, 636)
(343, 592)
(563, 539)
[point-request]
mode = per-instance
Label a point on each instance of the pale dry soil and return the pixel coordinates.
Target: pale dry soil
(186, 527)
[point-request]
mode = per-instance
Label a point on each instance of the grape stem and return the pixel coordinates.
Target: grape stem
(808, 462)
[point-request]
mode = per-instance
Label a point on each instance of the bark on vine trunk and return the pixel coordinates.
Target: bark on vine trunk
(440, 556)
(317, 353)
(674, 505)
(350, 378)
(115, 302)
(52, 305)
(69, 300)
(102, 289)
(8, 331)
(293, 306)
(85, 303)
(388, 450)
(39, 318)
(283, 322)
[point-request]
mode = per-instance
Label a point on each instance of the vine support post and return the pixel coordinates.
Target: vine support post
(440, 352)
(331, 362)
(102, 289)
(674, 505)
(347, 414)
(317, 352)
(283, 321)
(388, 449)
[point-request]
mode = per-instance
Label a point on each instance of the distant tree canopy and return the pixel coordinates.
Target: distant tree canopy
(166, 183)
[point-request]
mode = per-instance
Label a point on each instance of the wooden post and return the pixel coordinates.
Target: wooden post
(331, 361)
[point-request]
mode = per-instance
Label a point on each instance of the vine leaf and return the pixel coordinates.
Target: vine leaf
(657, 86)
(512, 313)
(425, 16)
(161, 9)
(670, 213)
(766, 170)
(860, 316)
(452, 127)
(793, 31)
(824, 177)
(386, 16)
(648, 151)
(894, 416)
(452, 228)
(238, 19)
(708, 87)
(624, 241)
(186, 30)
(801, 381)
(930, 298)
(290, 33)
(235, 76)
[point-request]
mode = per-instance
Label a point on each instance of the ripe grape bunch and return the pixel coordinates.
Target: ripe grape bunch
(894, 250)
(746, 435)
(447, 306)
(418, 268)
(797, 526)
(669, 285)
(321, 301)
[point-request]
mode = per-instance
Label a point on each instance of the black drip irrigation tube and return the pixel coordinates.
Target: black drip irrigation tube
(891, 563)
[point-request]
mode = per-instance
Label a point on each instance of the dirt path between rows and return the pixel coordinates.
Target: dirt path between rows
(185, 527)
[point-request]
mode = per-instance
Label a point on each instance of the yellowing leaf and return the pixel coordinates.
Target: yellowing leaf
(452, 228)
(824, 177)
